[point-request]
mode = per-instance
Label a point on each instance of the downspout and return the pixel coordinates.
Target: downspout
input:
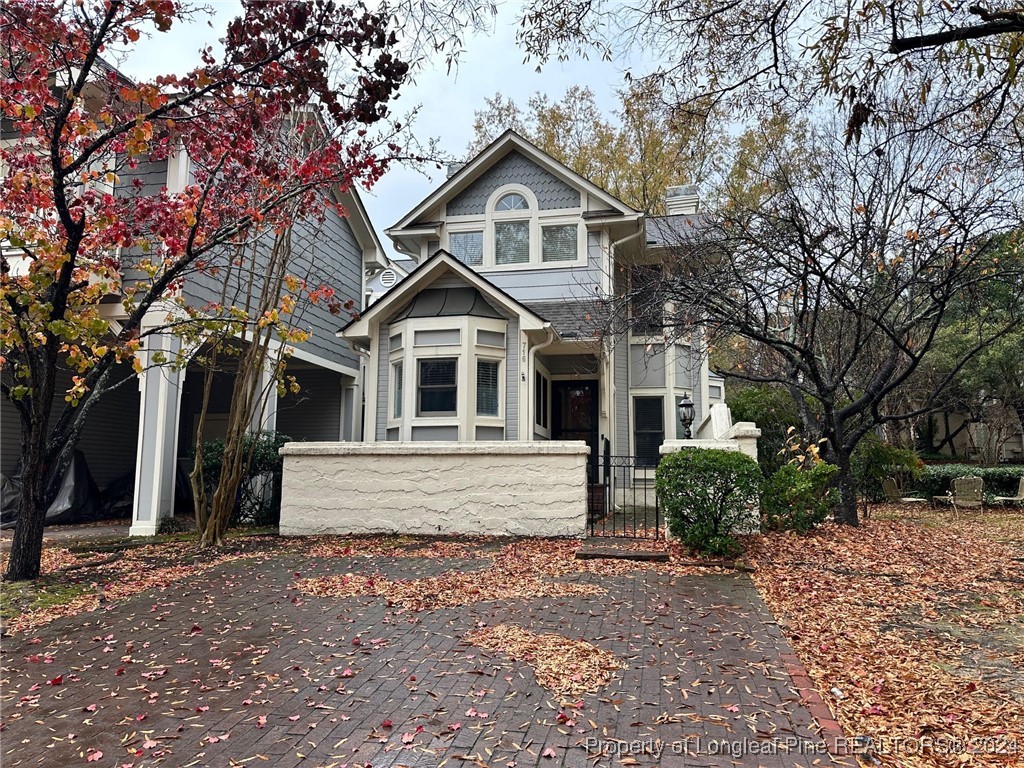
(531, 367)
(629, 372)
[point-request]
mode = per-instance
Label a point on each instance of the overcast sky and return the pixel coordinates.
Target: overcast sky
(491, 63)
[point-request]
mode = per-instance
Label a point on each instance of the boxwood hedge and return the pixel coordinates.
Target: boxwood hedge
(938, 478)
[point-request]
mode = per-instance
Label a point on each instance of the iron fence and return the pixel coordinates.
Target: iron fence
(622, 500)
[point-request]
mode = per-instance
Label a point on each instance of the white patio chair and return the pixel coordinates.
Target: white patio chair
(1018, 499)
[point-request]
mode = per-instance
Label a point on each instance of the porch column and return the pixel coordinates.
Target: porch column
(160, 389)
(265, 418)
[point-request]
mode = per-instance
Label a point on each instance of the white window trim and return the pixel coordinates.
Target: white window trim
(537, 428)
(536, 218)
(486, 419)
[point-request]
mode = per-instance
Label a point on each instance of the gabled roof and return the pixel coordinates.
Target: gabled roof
(497, 149)
(425, 274)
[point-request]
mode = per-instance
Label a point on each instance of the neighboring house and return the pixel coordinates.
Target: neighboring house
(502, 330)
(141, 431)
(385, 279)
(716, 388)
(994, 437)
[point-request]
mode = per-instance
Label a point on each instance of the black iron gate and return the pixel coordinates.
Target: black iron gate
(621, 497)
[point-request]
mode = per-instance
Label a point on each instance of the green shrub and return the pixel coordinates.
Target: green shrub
(874, 460)
(706, 494)
(258, 503)
(796, 499)
(937, 479)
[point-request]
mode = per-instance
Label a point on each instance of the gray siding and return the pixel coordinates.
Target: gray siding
(152, 174)
(620, 366)
(512, 380)
(322, 254)
(554, 283)
(552, 193)
(10, 437)
(315, 412)
(620, 372)
(697, 393)
(348, 406)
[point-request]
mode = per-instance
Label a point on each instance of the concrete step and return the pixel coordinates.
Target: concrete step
(607, 549)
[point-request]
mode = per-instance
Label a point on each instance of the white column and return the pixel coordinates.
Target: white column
(265, 417)
(159, 408)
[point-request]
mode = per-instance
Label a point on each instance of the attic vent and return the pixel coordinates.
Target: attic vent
(388, 278)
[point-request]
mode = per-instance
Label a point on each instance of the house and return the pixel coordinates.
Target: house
(533, 314)
(383, 280)
(140, 435)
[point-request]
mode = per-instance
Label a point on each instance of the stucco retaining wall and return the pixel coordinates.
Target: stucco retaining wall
(493, 488)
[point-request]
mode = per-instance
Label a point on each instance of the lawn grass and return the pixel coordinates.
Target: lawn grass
(47, 592)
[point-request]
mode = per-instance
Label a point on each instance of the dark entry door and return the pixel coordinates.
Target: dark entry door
(574, 417)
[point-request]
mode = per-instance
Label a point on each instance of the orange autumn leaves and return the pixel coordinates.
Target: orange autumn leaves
(565, 667)
(909, 627)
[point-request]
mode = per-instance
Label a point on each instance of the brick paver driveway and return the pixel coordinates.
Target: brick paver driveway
(240, 669)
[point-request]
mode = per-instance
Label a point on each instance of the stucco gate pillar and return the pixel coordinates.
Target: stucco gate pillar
(160, 389)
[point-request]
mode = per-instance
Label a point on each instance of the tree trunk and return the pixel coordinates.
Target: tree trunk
(846, 512)
(27, 544)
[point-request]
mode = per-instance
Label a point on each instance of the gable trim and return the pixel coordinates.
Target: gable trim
(507, 142)
(420, 277)
(359, 222)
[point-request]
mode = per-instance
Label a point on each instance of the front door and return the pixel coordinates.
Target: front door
(574, 417)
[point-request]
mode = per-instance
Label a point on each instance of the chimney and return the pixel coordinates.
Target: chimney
(454, 168)
(682, 200)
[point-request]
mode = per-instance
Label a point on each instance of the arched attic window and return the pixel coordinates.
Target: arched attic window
(512, 202)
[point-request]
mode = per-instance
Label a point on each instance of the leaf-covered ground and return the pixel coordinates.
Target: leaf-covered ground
(912, 627)
(78, 579)
(450, 658)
